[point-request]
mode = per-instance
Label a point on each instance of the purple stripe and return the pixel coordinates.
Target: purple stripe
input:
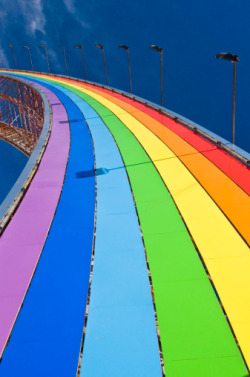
(22, 242)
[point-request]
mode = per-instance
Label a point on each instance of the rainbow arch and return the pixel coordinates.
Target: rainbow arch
(133, 236)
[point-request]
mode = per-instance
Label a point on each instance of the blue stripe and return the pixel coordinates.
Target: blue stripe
(47, 336)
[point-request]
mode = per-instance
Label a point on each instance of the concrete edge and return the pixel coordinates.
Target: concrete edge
(16, 194)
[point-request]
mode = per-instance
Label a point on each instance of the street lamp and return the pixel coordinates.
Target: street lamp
(45, 48)
(102, 48)
(80, 47)
(13, 55)
(233, 59)
(63, 48)
(160, 50)
(127, 49)
(27, 48)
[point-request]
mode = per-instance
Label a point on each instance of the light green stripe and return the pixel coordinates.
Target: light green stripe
(195, 337)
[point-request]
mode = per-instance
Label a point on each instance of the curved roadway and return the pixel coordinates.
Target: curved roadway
(162, 213)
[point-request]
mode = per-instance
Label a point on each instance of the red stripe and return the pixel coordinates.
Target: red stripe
(233, 168)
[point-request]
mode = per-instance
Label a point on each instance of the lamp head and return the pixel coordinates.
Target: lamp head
(124, 47)
(99, 46)
(227, 56)
(157, 48)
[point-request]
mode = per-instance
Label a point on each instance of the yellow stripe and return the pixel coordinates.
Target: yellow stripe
(218, 242)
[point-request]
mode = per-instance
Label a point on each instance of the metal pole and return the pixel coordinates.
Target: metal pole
(233, 59)
(160, 50)
(161, 79)
(27, 48)
(47, 58)
(31, 60)
(124, 47)
(65, 61)
(105, 66)
(233, 120)
(79, 46)
(130, 80)
(13, 55)
(83, 64)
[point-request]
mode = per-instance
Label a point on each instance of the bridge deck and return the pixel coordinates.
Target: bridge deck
(192, 208)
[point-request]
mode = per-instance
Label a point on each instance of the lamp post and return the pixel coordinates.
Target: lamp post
(45, 48)
(63, 48)
(12, 48)
(124, 47)
(160, 50)
(80, 47)
(27, 48)
(102, 48)
(233, 59)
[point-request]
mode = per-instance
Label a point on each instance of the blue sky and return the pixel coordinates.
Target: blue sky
(196, 85)
(9, 171)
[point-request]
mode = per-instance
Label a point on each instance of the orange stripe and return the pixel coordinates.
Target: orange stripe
(232, 200)
(233, 168)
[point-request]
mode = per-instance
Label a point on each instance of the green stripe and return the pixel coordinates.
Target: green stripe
(196, 339)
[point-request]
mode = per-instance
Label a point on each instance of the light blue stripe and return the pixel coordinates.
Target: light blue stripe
(121, 337)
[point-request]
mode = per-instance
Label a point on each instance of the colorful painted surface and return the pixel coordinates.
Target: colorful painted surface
(142, 196)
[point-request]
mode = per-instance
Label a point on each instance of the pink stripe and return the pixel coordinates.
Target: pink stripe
(22, 242)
